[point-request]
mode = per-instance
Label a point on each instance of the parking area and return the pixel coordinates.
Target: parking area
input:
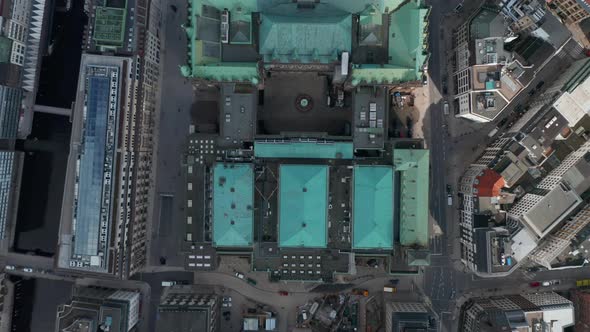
(265, 196)
(339, 207)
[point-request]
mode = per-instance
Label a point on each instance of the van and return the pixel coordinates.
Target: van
(389, 289)
(446, 108)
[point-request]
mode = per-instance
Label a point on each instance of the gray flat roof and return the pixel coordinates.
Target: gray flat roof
(182, 321)
(482, 101)
(369, 127)
(238, 115)
(551, 209)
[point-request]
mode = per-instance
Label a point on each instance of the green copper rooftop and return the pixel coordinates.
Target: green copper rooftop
(226, 72)
(408, 36)
(373, 207)
(288, 34)
(294, 35)
(349, 6)
(408, 49)
(386, 74)
(204, 49)
(304, 150)
(303, 196)
(414, 177)
(109, 26)
(233, 199)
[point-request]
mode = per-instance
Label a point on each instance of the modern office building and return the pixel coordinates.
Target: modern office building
(185, 311)
(407, 316)
(545, 311)
(570, 11)
(525, 15)
(94, 233)
(114, 239)
(486, 76)
(99, 309)
(17, 26)
(581, 300)
(561, 240)
(10, 103)
(573, 102)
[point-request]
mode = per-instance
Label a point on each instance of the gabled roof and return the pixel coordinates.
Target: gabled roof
(373, 207)
(233, 199)
(303, 191)
(303, 149)
(415, 171)
(408, 35)
(295, 35)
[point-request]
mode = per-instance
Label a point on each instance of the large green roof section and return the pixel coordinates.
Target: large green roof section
(414, 168)
(349, 6)
(233, 199)
(373, 207)
(303, 192)
(295, 35)
(290, 34)
(303, 150)
(109, 26)
(408, 47)
(204, 47)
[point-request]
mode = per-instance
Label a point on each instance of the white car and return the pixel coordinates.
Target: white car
(10, 267)
(550, 283)
(240, 275)
(28, 270)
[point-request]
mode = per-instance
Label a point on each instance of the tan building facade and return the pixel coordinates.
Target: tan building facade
(571, 11)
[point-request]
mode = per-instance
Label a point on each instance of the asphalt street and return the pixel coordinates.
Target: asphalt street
(176, 100)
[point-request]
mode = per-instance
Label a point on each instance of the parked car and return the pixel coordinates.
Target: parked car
(283, 293)
(10, 267)
(551, 283)
(28, 270)
(251, 281)
(535, 284)
(240, 275)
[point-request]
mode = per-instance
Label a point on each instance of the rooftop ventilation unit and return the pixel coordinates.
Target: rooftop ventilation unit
(225, 26)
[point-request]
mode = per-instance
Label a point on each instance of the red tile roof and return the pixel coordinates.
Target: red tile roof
(489, 184)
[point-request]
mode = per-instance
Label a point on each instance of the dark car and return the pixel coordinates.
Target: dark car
(539, 85)
(283, 293)
(535, 284)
